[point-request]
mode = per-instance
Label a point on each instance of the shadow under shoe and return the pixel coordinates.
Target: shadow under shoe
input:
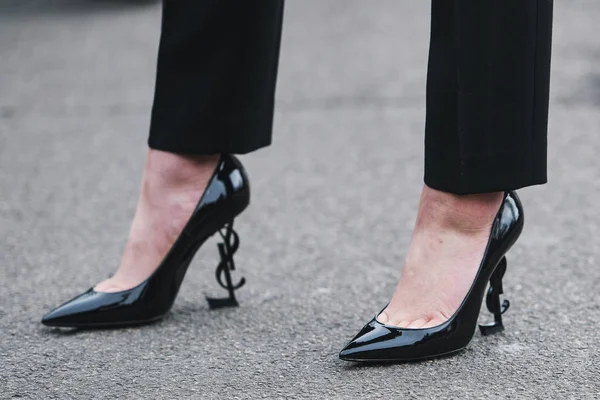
(227, 194)
(378, 342)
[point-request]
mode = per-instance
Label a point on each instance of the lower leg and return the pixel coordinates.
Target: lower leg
(449, 239)
(485, 132)
(172, 184)
(215, 87)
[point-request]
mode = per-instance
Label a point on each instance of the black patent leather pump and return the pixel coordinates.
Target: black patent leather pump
(378, 342)
(226, 196)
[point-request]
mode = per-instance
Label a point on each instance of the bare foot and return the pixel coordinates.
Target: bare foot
(171, 187)
(450, 237)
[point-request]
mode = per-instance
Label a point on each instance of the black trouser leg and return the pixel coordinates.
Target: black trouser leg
(487, 95)
(217, 68)
(487, 89)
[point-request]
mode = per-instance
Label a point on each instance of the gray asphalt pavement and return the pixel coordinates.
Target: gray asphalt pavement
(333, 205)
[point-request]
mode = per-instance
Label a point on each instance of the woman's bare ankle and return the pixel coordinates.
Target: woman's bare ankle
(463, 213)
(174, 169)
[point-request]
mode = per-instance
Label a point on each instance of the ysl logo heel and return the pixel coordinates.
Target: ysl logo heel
(492, 301)
(227, 249)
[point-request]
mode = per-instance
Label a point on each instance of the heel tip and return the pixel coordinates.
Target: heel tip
(216, 303)
(491, 329)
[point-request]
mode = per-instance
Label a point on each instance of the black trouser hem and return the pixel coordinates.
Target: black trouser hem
(225, 135)
(496, 173)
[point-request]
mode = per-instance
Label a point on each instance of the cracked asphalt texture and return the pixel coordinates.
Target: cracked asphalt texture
(334, 201)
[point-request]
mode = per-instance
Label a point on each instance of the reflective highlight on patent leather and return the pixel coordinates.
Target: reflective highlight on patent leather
(226, 196)
(378, 342)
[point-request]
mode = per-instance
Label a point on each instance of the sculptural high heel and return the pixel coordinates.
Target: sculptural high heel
(226, 195)
(378, 342)
(493, 301)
